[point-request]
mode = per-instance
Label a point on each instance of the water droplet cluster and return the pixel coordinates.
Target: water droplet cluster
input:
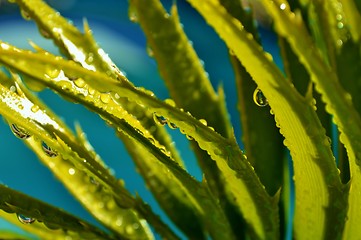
(161, 121)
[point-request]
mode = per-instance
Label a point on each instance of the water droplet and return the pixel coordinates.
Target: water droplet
(25, 220)
(129, 229)
(79, 82)
(53, 72)
(13, 88)
(48, 151)
(268, 56)
(259, 98)
(119, 221)
(189, 137)
(338, 17)
(132, 13)
(170, 102)
(283, 6)
(150, 51)
(339, 42)
(91, 90)
(19, 131)
(35, 108)
(340, 25)
(160, 120)
(116, 96)
(90, 58)
(105, 98)
(25, 15)
(203, 121)
(172, 125)
(66, 86)
(111, 204)
(71, 171)
(313, 104)
(44, 33)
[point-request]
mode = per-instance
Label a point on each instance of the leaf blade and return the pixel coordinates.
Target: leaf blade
(251, 198)
(293, 124)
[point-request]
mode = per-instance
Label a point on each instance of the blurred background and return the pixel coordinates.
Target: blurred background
(126, 46)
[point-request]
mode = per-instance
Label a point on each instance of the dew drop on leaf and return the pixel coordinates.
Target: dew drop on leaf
(48, 151)
(71, 171)
(283, 6)
(91, 90)
(44, 33)
(53, 72)
(90, 58)
(66, 86)
(19, 131)
(119, 221)
(25, 15)
(150, 51)
(79, 83)
(259, 98)
(189, 137)
(105, 97)
(160, 120)
(13, 88)
(170, 102)
(129, 229)
(25, 220)
(203, 121)
(172, 125)
(132, 13)
(35, 108)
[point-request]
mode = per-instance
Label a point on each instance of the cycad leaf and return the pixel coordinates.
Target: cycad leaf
(42, 219)
(338, 101)
(330, 29)
(258, 126)
(185, 200)
(181, 69)
(68, 38)
(259, 210)
(353, 18)
(92, 189)
(194, 197)
(305, 137)
(187, 82)
(4, 234)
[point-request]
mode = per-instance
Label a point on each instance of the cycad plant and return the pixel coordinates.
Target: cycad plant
(244, 193)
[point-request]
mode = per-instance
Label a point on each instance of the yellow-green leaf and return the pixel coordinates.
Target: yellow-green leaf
(42, 219)
(304, 135)
(250, 197)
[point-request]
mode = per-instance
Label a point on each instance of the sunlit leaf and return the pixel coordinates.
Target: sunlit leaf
(304, 135)
(43, 219)
(188, 83)
(250, 195)
(82, 48)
